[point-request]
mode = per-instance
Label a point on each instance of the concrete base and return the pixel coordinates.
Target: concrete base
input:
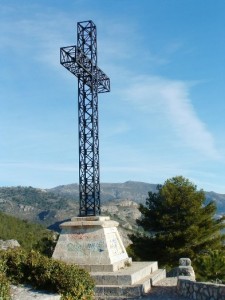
(93, 243)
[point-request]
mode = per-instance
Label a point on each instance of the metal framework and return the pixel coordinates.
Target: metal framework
(81, 61)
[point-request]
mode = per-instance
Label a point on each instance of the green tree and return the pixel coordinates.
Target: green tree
(210, 266)
(177, 223)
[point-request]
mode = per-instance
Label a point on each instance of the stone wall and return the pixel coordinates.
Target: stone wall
(200, 290)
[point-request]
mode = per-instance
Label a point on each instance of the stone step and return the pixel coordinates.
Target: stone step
(104, 292)
(126, 276)
(157, 276)
(122, 291)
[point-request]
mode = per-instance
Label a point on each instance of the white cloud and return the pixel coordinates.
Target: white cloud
(170, 100)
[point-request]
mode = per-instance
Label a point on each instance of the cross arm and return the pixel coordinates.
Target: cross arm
(74, 60)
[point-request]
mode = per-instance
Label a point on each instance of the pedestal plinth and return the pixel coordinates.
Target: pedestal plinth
(93, 243)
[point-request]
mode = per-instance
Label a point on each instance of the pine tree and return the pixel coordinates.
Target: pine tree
(211, 266)
(177, 223)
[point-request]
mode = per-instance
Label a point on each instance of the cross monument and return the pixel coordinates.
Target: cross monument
(90, 240)
(81, 61)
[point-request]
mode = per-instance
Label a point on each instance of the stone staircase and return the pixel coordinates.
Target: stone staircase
(131, 282)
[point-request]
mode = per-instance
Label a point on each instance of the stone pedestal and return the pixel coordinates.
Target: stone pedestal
(93, 243)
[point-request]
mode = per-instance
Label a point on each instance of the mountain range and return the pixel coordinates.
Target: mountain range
(52, 206)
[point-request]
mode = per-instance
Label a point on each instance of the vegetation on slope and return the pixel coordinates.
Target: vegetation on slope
(30, 236)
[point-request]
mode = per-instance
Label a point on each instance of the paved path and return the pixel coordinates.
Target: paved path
(22, 293)
(163, 290)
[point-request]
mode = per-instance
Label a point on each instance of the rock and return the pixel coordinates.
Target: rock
(128, 203)
(9, 244)
(26, 208)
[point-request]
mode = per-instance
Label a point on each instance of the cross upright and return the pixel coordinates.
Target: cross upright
(81, 60)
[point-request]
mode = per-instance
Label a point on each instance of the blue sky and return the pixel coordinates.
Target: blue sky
(164, 115)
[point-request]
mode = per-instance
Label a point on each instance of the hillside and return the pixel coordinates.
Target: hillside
(52, 206)
(129, 190)
(30, 236)
(36, 205)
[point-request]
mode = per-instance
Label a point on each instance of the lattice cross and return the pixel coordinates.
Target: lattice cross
(81, 60)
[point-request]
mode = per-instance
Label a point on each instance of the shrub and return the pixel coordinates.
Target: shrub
(210, 266)
(14, 260)
(4, 287)
(46, 273)
(4, 283)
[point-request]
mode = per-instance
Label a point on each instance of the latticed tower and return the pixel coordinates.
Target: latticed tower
(81, 60)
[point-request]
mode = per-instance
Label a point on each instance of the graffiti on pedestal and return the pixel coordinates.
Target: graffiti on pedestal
(86, 246)
(114, 244)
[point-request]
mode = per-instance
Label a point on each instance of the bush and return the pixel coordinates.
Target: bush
(210, 266)
(4, 283)
(4, 287)
(14, 260)
(46, 273)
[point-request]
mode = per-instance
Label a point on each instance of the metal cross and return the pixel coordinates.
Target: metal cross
(81, 60)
